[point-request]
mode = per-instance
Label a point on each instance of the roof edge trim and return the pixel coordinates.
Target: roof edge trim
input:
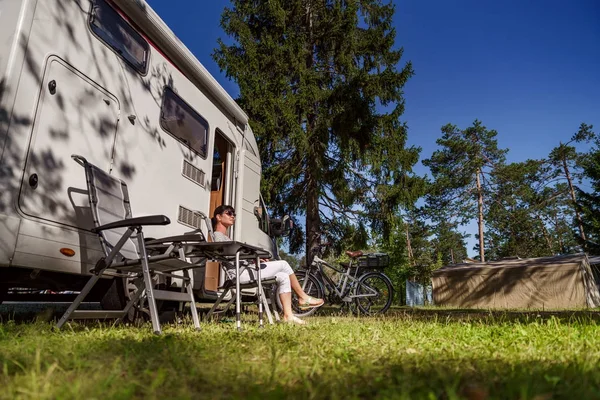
(155, 28)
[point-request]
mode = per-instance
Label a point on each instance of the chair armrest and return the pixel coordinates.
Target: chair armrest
(139, 221)
(187, 238)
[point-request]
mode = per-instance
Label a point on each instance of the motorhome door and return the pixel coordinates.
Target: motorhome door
(249, 193)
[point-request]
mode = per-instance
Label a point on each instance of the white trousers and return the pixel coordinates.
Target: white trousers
(278, 269)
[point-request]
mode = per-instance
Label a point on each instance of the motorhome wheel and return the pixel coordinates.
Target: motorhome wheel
(118, 295)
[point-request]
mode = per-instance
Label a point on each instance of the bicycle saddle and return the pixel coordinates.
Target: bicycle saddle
(354, 254)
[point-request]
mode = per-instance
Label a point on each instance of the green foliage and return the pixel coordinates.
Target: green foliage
(431, 247)
(532, 212)
(517, 215)
(589, 202)
(528, 207)
(566, 155)
(448, 243)
(395, 246)
(441, 354)
(461, 170)
(454, 167)
(567, 162)
(292, 260)
(320, 83)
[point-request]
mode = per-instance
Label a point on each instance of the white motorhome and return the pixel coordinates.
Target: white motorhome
(108, 80)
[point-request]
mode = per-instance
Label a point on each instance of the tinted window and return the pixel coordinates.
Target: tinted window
(183, 122)
(113, 30)
(263, 217)
(249, 148)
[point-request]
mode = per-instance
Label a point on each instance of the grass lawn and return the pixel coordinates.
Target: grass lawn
(406, 355)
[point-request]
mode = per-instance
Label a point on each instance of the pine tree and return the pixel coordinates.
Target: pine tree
(517, 222)
(588, 204)
(566, 159)
(449, 244)
(461, 171)
(320, 82)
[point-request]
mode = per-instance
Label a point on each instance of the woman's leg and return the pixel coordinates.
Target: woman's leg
(303, 298)
(283, 288)
(286, 303)
(273, 267)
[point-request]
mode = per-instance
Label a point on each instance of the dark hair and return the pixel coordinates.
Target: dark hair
(221, 209)
(218, 211)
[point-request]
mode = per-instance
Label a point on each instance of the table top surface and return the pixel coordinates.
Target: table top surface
(229, 249)
(196, 247)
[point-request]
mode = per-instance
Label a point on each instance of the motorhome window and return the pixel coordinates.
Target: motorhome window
(183, 122)
(249, 148)
(263, 216)
(113, 30)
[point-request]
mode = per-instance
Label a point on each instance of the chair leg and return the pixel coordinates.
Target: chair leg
(186, 284)
(260, 294)
(267, 310)
(104, 264)
(219, 300)
(273, 297)
(148, 283)
(101, 266)
(190, 291)
(78, 300)
(238, 293)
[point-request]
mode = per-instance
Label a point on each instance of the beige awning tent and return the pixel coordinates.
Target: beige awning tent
(539, 283)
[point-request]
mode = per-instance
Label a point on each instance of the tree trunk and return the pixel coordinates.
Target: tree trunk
(411, 258)
(561, 246)
(313, 219)
(480, 215)
(572, 192)
(546, 235)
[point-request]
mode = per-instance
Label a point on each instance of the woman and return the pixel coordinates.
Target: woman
(224, 217)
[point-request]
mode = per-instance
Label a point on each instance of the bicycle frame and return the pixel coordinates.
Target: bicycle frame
(346, 284)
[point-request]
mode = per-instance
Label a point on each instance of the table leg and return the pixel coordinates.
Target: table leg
(238, 295)
(260, 294)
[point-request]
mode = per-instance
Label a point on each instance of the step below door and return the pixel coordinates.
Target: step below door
(74, 116)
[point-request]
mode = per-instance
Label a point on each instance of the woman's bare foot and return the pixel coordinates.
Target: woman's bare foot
(293, 320)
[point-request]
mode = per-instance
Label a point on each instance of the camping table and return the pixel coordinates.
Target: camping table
(229, 251)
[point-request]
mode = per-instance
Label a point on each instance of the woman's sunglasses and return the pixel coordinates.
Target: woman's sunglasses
(230, 213)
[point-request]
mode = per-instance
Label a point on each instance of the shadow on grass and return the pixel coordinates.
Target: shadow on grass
(493, 316)
(278, 362)
(47, 312)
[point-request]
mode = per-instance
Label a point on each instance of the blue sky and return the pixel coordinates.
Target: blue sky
(529, 69)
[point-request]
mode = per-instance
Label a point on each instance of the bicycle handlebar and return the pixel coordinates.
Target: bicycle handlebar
(316, 259)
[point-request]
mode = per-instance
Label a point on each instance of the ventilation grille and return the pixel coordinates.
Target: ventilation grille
(188, 218)
(194, 174)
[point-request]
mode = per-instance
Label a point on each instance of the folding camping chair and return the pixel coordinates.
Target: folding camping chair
(253, 288)
(247, 289)
(115, 227)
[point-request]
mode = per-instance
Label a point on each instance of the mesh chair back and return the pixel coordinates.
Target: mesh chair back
(209, 227)
(109, 202)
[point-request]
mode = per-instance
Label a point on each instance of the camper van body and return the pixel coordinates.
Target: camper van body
(108, 80)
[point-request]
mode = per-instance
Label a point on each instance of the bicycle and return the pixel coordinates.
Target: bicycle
(371, 292)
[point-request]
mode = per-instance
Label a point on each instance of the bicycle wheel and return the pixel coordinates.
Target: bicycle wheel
(375, 293)
(312, 288)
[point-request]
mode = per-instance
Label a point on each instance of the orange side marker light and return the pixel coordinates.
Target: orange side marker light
(67, 252)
